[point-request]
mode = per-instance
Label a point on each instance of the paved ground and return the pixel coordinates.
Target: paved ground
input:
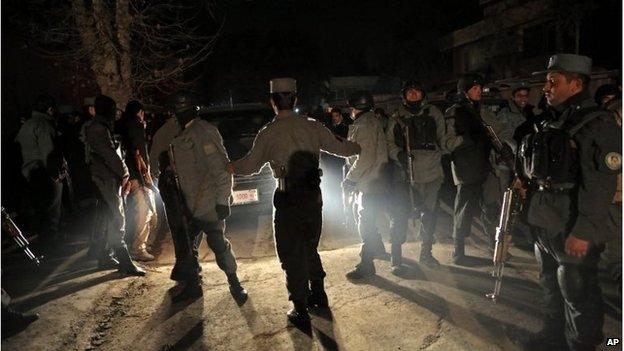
(425, 309)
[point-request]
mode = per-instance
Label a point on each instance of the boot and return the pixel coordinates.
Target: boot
(428, 260)
(126, 265)
(396, 261)
(364, 269)
(459, 254)
(236, 289)
(191, 291)
(298, 315)
(318, 297)
(142, 255)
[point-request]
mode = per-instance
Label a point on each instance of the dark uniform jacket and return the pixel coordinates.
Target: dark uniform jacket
(599, 144)
(105, 158)
(583, 211)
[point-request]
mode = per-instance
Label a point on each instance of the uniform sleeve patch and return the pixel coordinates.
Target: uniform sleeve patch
(613, 161)
(209, 149)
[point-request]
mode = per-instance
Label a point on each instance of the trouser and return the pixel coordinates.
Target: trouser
(612, 255)
(142, 207)
(218, 243)
(173, 213)
(572, 297)
(45, 197)
(297, 223)
(370, 206)
(112, 209)
(466, 207)
(494, 188)
(426, 203)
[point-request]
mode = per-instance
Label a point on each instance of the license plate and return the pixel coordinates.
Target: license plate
(242, 197)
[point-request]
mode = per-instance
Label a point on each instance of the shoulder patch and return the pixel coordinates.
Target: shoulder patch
(209, 148)
(613, 160)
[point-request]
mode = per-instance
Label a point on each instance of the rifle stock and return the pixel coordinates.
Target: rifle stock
(510, 211)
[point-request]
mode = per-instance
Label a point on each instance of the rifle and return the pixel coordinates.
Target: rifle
(510, 209)
(409, 166)
(16, 234)
(185, 213)
(496, 142)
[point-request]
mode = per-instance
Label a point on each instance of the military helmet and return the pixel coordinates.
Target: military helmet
(184, 102)
(361, 100)
(412, 84)
(466, 82)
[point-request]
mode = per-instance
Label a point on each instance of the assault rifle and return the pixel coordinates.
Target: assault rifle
(186, 216)
(409, 166)
(510, 210)
(16, 234)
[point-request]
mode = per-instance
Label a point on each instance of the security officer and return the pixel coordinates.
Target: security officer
(292, 144)
(366, 177)
(470, 156)
(428, 138)
(160, 166)
(569, 195)
(201, 164)
(518, 111)
(43, 166)
(110, 176)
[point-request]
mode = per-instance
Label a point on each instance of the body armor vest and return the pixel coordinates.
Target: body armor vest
(422, 132)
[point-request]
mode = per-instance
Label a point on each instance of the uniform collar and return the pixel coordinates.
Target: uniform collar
(362, 116)
(285, 114)
(575, 102)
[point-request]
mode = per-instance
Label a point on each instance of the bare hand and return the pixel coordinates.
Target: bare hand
(576, 247)
(519, 186)
(230, 168)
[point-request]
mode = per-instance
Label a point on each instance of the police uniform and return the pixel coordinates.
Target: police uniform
(108, 172)
(201, 161)
(428, 141)
(570, 194)
(291, 144)
(367, 171)
(160, 167)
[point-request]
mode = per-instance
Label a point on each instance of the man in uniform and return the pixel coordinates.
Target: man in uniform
(160, 167)
(292, 144)
(428, 141)
(470, 156)
(518, 111)
(201, 163)
(110, 176)
(569, 195)
(366, 177)
(43, 166)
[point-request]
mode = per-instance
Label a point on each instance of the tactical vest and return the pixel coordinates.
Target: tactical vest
(549, 158)
(422, 132)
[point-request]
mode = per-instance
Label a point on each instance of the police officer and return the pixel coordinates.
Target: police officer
(518, 111)
(569, 195)
(160, 166)
(110, 176)
(366, 177)
(43, 167)
(201, 164)
(428, 138)
(470, 156)
(292, 144)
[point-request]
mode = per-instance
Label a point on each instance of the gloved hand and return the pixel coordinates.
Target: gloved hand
(402, 156)
(223, 211)
(349, 186)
